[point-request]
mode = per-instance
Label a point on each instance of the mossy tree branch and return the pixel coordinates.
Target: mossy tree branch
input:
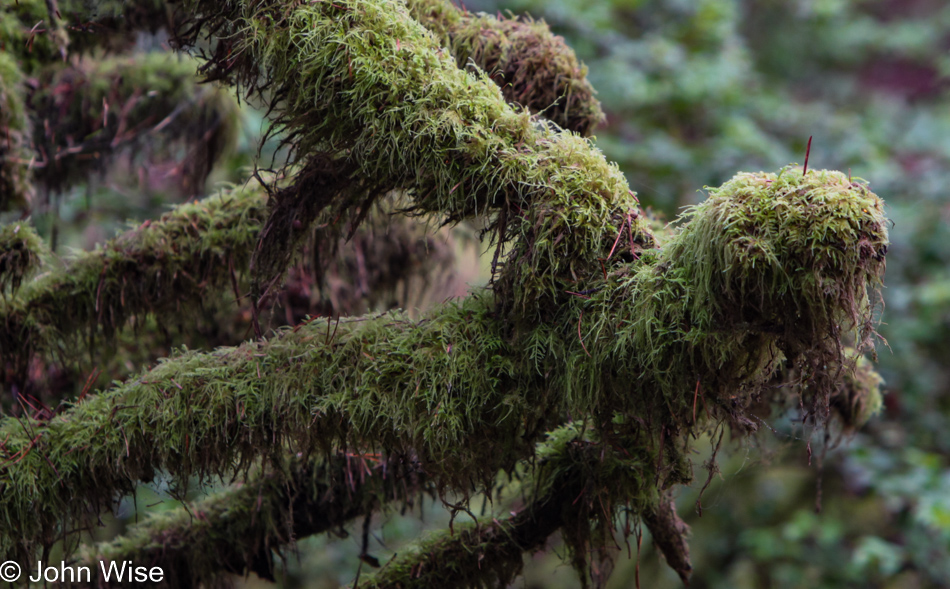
(240, 529)
(646, 346)
(366, 80)
(157, 267)
(178, 269)
(437, 386)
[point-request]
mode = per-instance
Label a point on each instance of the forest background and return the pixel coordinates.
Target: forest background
(693, 92)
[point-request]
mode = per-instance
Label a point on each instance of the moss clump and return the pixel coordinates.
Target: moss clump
(21, 253)
(792, 255)
(754, 280)
(15, 187)
(533, 67)
(858, 397)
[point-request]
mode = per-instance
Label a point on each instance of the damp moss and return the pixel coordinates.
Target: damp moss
(533, 67)
(364, 79)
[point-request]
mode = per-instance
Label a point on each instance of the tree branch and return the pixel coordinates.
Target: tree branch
(240, 529)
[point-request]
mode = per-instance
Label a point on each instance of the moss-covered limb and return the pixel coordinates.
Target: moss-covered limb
(486, 554)
(534, 67)
(579, 486)
(15, 186)
(158, 268)
(21, 254)
(392, 261)
(777, 266)
(364, 79)
(239, 529)
(242, 528)
(111, 24)
(439, 387)
(772, 270)
(150, 102)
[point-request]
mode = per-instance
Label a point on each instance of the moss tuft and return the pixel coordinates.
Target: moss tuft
(21, 255)
(533, 67)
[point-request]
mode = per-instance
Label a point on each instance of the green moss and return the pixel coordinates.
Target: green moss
(435, 388)
(21, 253)
(533, 67)
(771, 269)
(364, 79)
(161, 268)
(107, 24)
(859, 396)
(441, 386)
(242, 528)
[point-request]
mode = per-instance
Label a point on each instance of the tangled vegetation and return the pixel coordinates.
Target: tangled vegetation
(583, 375)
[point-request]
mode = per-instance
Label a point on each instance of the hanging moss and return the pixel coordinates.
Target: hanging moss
(147, 102)
(577, 486)
(533, 67)
(858, 397)
(16, 189)
(241, 529)
(364, 79)
(21, 252)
